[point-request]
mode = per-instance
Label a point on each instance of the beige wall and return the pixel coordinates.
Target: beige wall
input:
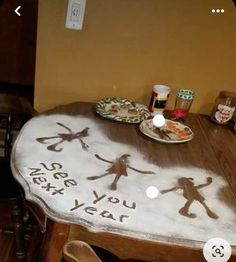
(126, 46)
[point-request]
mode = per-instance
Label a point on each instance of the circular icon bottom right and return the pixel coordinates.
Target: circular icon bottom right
(217, 250)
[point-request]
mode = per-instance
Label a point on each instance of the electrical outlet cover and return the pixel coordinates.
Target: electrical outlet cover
(75, 14)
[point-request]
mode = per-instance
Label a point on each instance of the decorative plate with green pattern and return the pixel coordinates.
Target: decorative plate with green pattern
(123, 110)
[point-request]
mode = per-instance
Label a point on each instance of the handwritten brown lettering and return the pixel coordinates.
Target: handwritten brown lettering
(76, 205)
(113, 200)
(70, 182)
(39, 180)
(131, 207)
(104, 214)
(59, 175)
(48, 187)
(58, 191)
(97, 197)
(53, 166)
(35, 172)
(122, 217)
(107, 214)
(90, 210)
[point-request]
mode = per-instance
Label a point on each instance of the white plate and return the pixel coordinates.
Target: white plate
(171, 132)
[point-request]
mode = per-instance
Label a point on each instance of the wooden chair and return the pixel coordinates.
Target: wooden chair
(12, 117)
(79, 251)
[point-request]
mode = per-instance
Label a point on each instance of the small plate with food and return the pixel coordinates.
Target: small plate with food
(171, 132)
(123, 110)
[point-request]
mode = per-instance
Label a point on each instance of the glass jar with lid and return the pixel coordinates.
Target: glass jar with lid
(183, 103)
(224, 107)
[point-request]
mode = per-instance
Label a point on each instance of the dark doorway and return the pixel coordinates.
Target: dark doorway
(18, 46)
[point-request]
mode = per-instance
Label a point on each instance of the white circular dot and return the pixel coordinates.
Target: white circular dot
(217, 10)
(152, 192)
(213, 10)
(159, 120)
(222, 10)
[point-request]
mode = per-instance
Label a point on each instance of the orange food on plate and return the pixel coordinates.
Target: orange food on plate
(181, 133)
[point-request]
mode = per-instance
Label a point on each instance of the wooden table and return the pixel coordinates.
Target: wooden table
(70, 179)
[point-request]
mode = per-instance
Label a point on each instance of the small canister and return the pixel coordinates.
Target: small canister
(224, 107)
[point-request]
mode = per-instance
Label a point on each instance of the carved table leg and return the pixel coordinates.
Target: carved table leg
(19, 233)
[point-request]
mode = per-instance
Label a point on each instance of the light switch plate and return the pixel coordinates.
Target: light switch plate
(75, 14)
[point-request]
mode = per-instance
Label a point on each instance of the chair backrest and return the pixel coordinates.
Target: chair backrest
(14, 112)
(79, 251)
(8, 137)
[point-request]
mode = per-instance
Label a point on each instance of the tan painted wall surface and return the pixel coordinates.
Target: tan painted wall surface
(126, 46)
